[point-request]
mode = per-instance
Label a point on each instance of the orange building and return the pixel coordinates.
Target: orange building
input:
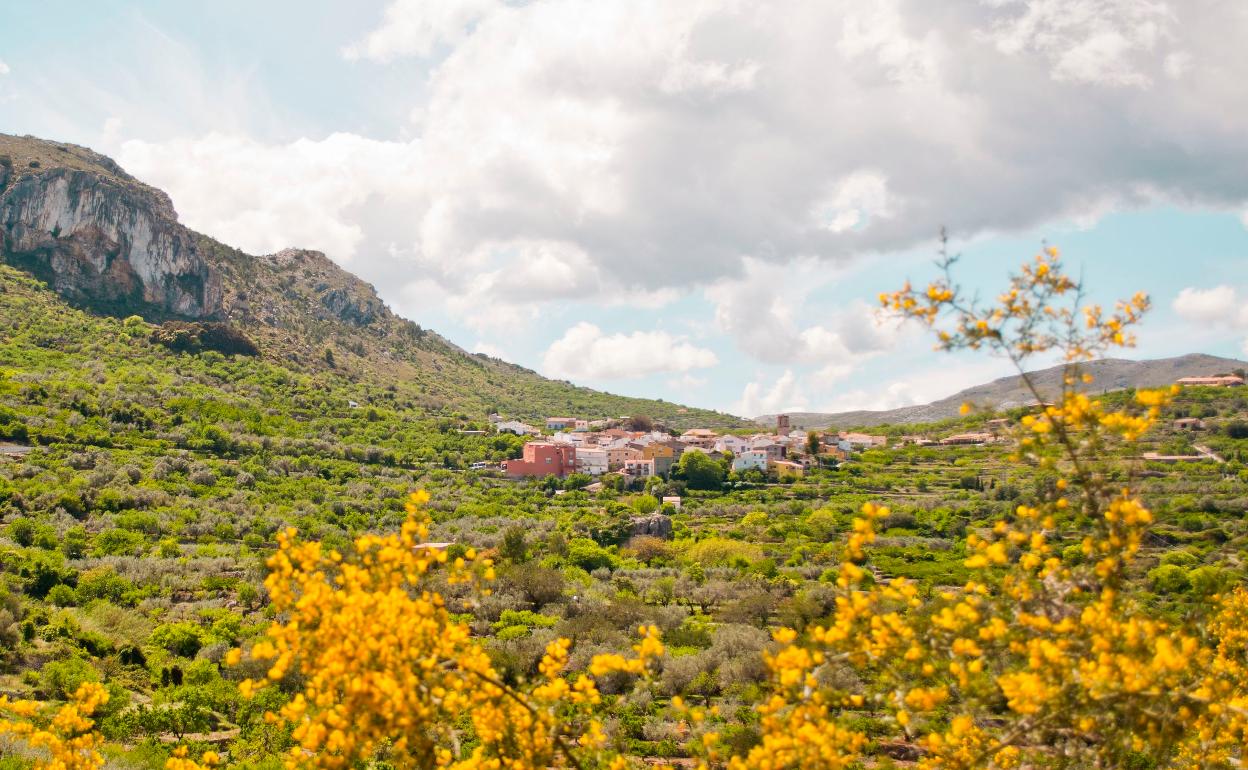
(542, 458)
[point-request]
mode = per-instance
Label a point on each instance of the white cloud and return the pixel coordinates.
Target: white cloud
(1105, 42)
(263, 198)
(1220, 306)
(4, 68)
(784, 395)
(585, 353)
(635, 151)
(687, 382)
(921, 386)
(487, 349)
(854, 201)
(762, 311)
(831, 388)
(416, 27)
(110, 131)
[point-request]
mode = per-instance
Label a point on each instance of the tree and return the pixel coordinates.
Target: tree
(22, 532)
(513, 547)
(645, 503)
(700, 471)
(814, 445)
(640, 422)
(822, 524)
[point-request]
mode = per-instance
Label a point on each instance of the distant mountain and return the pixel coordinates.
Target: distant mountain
(110, 244)
(1007, 392)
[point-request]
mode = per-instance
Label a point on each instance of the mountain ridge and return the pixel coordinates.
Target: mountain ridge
(1009, 392)
(108, 243)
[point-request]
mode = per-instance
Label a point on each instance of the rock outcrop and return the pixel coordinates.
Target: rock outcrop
(332, 293)
(97, 236)
(655, 525)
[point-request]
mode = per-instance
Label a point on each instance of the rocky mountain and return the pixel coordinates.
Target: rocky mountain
(108, 243)
(1007, 392)
(97, 235)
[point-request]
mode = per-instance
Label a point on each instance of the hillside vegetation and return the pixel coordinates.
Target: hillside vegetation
(145, 493)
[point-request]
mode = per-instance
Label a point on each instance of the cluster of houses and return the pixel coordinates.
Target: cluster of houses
(566, 445)
(592, 448)
(1216, 381)
(589, 447)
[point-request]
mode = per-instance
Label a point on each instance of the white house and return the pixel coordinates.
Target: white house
(750, 459)
(861, 441)
(516, 427)
(591, 460)
(575, 439)
(639, 467)
(768, 445)
(699, 437)
(734, 444)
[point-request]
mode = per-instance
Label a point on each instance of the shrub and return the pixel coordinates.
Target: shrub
(60, 678)
(1181, 558)
(119, 542)
(721, 552)
(526, 618)
(649, 548)
(588, 555)
(822, 525)
(184, 337)
(62, 596)
(104, 584)
(1237, 429)
(182, 639)
(537, 584)
(1169, 579)
(1209, 580)
(22, 532)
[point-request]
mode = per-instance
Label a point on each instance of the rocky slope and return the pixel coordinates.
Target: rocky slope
(107, 242)
(1008, 392)
(98, 236)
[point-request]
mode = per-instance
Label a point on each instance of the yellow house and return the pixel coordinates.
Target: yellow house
(784, 466)
(655, 449)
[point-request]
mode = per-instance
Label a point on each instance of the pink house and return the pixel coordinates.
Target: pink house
(542, 458)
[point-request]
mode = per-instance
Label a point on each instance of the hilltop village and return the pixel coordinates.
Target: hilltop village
(605, 448)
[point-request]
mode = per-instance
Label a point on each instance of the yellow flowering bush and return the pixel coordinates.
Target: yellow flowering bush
(1043, 659)
(66, 738)
(387, 673)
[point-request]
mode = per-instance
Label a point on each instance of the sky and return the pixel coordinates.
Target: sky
(697, 200)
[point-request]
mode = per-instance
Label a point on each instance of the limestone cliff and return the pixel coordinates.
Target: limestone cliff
(98, 236)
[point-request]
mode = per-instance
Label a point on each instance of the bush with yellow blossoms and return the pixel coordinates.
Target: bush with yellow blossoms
(64, 738)
(388, 675)
(1045, 658)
